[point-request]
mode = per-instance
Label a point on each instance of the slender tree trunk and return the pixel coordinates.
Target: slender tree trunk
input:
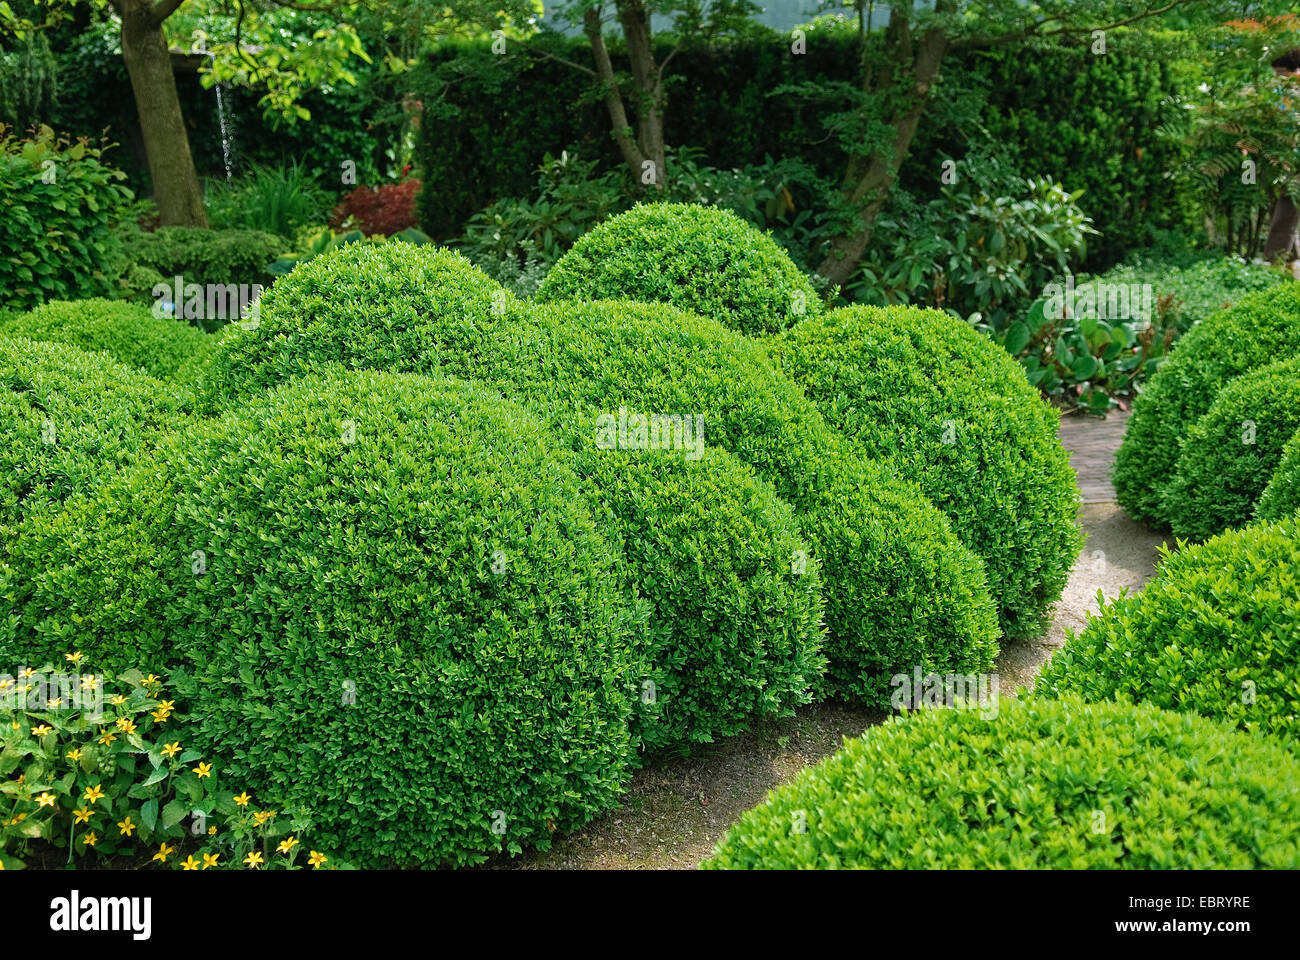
(1283, 231)
(166, 141)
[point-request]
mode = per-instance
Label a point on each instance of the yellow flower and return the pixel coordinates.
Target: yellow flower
(107, 737)
(118, 700)
(83, 815)
(287, 845)
(41, 730)
(203, 770)
(28, 672)
(125, 724)
(90, 839)
(253, 859)
(262, 816)
(172, 749)
(166, 706)
(212, 831)
(54, 703)
(93, 793)
(210, 860)
(316, 859)
(5, 683)
(189, 863)
(73, 657)
(159, 716)
(242, 799)
(163, 853)
(126, 826)
(75, 755)
(149, 681)
(89, 682)
(46, 799)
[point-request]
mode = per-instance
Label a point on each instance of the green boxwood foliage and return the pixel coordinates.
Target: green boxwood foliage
(1216, 632)
(1045, 784)
(957, 416)
(734, 631)
(900, 589)
(1281, 498)
(70, 419)
(699, 258)
(1231, 453)
(406, 620)
(1259, 329)
(129, 333)
(393, 306)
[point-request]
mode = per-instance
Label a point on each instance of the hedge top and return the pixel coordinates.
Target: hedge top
(1045, 784)
(703, 259)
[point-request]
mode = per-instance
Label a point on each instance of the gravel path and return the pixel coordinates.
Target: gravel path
(676, 811)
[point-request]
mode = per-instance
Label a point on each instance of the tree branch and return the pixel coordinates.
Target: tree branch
(1036, 29)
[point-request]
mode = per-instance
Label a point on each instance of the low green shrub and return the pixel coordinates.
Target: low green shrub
(1045, 784)
(1257, 330)
(386, 306)
(734, 630)
(129, 333)
(1281, 498)
(1231, 453)
(58, 204)
(405, 619)
(70, 420)
(699, 258)
(956, 416)
(900, 588)
(1215, 632)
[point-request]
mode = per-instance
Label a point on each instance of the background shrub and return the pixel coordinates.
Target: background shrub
(279, 199)
(381, 210)
(368, 566)
(131, 334)
(58, 202)
(70, 420)
(1281, 498)
(1219, 620)
(1259, 329)
(956, 416)
(388, 306)
(697, 258)
(1231, 453)
(950, 789)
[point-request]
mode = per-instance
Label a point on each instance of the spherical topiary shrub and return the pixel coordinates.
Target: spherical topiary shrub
(734, 631)
(900, 589)
(405, 619)
(956, 415)
(1231, 453)
(130, 333)
(1215, 632)
(702, 259)
(71, 419)
(1259, 329)
(1044, 784)
(394, 306)
(1281, 498)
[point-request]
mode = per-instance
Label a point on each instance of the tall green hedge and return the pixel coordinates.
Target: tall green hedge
(1281, 498)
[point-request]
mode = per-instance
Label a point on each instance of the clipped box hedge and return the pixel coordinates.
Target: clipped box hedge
(1257, 330)
(956, 416)
(1044, 785)
(1231, 453)
(1281, 498)
(702, 259)
(164, 348)
(1215, 632)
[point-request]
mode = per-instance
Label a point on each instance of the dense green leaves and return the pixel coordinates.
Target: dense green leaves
(1216, 632)
(698, 258)
(1281, 498)
(1044, 784)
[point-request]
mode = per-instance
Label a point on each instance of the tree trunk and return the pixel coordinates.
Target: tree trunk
(166, 141)
(645, 143)
(868, 179)
(1283, 231)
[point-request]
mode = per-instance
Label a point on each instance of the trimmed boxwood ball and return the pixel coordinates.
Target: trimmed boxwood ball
(702, 259)
(1216, 632)
(1259, 329)
(70, 419)
(407, 620)
(1231, 453)
(393, 306)
(1281, 498)
(164, 348)
(956, 415)
(1043, 785)
(734, 631)
(901, 590)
